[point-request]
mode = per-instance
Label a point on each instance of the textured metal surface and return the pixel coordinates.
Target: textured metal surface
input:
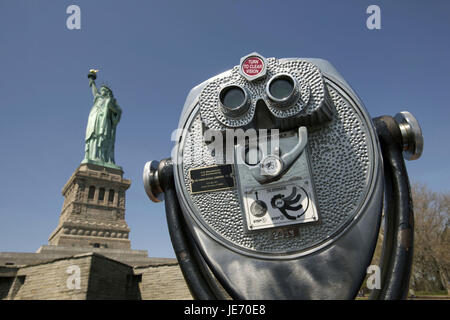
(313, 95)
(342, 162)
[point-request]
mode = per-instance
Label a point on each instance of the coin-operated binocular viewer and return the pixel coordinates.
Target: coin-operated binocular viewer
(276, 185)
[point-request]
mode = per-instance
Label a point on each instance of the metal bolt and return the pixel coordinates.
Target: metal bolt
(151, 181)
(412, 138)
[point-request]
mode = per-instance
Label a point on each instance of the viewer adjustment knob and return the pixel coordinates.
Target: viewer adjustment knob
(412, 138)
(151, 181)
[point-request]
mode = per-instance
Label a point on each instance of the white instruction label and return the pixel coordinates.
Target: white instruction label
(279, 205)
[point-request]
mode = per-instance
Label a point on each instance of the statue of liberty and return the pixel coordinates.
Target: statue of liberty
(101, 127)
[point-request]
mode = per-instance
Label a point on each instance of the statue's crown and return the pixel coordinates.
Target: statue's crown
(105, 85)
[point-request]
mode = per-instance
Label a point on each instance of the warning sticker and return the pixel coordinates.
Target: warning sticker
(212, 178)
(285, 204)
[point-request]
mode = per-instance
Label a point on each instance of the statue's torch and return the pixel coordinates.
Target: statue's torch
(92, 74)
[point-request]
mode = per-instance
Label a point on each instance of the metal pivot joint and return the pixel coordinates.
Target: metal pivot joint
(154, 179)
(412, 138)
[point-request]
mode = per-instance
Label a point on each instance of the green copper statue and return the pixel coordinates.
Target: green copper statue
(101, 127)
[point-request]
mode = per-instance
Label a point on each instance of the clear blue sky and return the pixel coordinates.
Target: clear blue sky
(153, 52)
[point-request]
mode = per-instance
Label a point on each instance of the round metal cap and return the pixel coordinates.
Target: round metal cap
(412, 137)
(151, 181)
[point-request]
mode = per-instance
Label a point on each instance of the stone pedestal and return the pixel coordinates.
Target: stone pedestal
(93, 213)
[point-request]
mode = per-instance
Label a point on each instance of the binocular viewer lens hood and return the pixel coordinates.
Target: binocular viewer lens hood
(276, 184)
